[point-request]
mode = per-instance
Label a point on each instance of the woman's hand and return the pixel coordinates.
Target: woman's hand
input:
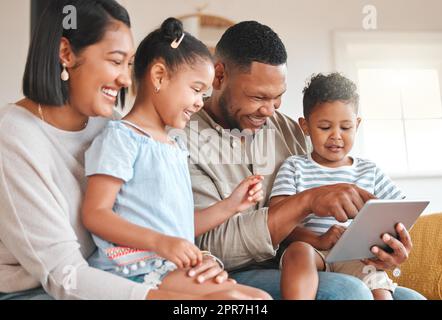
(207, 270)
(401, 249)
(247, 194)
(181, 252)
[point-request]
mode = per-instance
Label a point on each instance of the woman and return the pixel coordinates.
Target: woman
(72, 78)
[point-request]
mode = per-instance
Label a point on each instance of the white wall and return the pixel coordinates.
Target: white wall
(429, 188)
(15, 23)
(306, 27)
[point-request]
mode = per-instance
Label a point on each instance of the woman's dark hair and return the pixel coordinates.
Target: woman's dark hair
(157, 45)
(329, 88)
(41, 81)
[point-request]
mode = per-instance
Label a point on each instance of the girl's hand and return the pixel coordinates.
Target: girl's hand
(181, 252)
(247, 194)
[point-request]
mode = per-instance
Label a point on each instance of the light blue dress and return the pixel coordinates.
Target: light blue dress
(156, 194)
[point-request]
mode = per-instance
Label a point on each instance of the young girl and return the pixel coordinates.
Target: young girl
(139, 202)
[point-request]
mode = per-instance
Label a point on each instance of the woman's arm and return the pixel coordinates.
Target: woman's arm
(36, 228)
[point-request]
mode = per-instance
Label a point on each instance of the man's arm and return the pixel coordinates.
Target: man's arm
(341, 201)
(244, 238)
(255, 235)
(285, 213)
(247, 194)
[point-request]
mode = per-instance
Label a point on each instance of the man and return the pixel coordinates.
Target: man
(239, 132)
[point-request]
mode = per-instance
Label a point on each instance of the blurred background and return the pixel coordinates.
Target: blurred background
(391, 48)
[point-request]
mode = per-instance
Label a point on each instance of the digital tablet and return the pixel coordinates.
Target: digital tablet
(373, 220)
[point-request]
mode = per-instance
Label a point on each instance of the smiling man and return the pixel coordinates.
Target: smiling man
(241, 114)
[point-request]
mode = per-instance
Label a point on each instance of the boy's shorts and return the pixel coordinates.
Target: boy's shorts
(373, 279)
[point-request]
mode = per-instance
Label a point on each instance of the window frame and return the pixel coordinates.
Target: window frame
(354, 50)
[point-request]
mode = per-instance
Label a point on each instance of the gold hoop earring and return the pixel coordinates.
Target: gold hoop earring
(64, 74)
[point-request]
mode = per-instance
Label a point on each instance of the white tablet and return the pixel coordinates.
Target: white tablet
(373, 220)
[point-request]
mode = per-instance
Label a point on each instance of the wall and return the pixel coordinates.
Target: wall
(14, 37)
(428, 188)
(306, 27)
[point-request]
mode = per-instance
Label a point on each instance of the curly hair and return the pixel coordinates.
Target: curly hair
(248, 42)
(328, 88)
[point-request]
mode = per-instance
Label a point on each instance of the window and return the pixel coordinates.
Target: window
(402, 115)
(399, 81)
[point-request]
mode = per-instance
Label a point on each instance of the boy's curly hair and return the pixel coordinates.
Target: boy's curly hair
(328, 88)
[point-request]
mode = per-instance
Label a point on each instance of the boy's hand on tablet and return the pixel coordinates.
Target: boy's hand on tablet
(327, 240)
(248, 193)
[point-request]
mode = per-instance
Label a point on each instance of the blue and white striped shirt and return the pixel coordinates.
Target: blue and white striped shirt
(300, 173)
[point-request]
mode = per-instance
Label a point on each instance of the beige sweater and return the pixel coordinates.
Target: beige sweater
(243, 239)
(42, 241)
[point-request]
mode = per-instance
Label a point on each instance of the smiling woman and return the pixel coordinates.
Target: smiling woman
(73, 76)
(70, 75)
(103, 48)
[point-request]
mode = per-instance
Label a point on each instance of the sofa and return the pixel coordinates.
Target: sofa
(423, 270)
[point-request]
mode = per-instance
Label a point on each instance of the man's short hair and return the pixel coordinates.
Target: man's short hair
(248, 42)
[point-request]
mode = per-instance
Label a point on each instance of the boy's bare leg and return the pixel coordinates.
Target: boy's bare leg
(179, 281)
(299, 276)
(381, 294)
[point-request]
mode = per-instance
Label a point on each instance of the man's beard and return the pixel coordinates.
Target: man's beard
(225, 109)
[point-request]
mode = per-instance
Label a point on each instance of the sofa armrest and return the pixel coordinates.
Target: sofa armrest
(423, 270)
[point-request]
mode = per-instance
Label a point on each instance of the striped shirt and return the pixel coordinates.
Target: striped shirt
(300, 173)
